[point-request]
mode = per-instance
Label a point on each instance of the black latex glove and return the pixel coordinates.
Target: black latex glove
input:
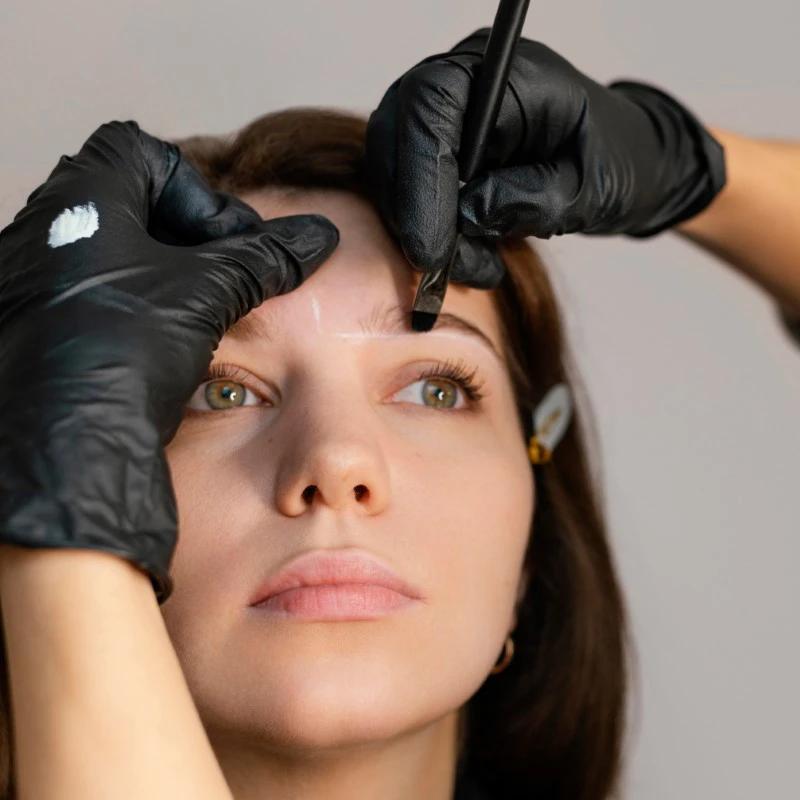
(103, 340)
(566, 155)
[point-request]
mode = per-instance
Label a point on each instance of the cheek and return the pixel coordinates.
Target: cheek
(206, 491)
(214, 497)
(472, 522)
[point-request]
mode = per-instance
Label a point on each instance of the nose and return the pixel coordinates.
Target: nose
(335, 462)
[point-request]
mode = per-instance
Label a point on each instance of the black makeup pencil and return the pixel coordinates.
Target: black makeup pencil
(480, 116)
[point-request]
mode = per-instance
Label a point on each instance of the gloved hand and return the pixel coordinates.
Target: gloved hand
(105, 333)
(566, 155)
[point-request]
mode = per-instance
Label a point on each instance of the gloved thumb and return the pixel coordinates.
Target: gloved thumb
(240, 272)
(188, 210)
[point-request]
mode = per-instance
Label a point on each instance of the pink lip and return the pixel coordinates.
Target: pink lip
(335, 584)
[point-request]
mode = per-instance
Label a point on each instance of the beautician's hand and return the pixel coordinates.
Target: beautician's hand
(106, 332)
(566, 155)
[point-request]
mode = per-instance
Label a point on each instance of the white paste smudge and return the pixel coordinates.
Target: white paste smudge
(72, 224)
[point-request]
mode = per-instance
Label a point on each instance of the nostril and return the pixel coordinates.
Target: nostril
(308, 493)
(360, 490)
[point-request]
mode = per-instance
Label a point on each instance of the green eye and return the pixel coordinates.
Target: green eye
(439, 393)
(433, 392)
(222, 394)
(225, 394)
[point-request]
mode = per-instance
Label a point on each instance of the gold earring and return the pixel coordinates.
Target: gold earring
(508, 654)
(537, 452)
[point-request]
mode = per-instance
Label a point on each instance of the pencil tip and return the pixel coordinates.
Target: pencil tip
(422, 321)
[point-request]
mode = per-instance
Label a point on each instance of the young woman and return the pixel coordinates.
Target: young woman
(324, 423)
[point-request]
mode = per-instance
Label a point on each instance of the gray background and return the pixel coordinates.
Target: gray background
(694, 383)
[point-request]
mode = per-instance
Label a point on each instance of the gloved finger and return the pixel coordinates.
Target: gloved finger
(123, 175)
(431, 102)
(380, 155)
(535, 200)
(478, 264)
(507, 138)
(551, 98)
(184, 208)
(240, 272)
(108, 177)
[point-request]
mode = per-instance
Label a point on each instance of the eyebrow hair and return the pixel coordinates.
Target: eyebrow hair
(382, 319)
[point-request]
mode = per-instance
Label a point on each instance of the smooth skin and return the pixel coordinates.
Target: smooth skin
(108, 658)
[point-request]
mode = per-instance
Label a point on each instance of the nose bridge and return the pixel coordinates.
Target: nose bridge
(334, 454)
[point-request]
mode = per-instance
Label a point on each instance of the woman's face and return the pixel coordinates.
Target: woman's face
(333, 402)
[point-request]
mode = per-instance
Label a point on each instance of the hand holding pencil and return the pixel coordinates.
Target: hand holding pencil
(566, 155)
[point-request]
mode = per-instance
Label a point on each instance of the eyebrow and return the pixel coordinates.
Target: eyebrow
(381, 320)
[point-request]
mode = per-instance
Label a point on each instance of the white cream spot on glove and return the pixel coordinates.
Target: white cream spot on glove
(72, 224)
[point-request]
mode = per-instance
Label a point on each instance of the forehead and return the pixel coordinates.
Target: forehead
(366, 270)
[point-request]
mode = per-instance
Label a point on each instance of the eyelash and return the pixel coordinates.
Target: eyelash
(454, 370)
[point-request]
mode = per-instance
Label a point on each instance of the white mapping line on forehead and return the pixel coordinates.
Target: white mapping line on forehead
(381, 321)
(315, 311)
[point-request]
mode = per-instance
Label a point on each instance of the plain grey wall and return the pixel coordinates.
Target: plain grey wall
(694, 384)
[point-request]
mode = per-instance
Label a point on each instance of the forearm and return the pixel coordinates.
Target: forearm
(754, 222)
(100, 705)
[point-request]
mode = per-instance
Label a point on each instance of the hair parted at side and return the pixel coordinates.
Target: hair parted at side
(551, 725)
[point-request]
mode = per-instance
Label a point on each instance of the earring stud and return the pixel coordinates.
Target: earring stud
(508, 654)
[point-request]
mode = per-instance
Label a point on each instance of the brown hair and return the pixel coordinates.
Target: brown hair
(552, 724)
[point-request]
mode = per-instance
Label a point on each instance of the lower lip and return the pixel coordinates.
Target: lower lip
(343, 602)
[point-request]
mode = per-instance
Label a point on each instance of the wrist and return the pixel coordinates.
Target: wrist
(111, 494)
(50, 573)
(707, 220)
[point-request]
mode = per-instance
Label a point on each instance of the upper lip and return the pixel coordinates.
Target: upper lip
(333, 567)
